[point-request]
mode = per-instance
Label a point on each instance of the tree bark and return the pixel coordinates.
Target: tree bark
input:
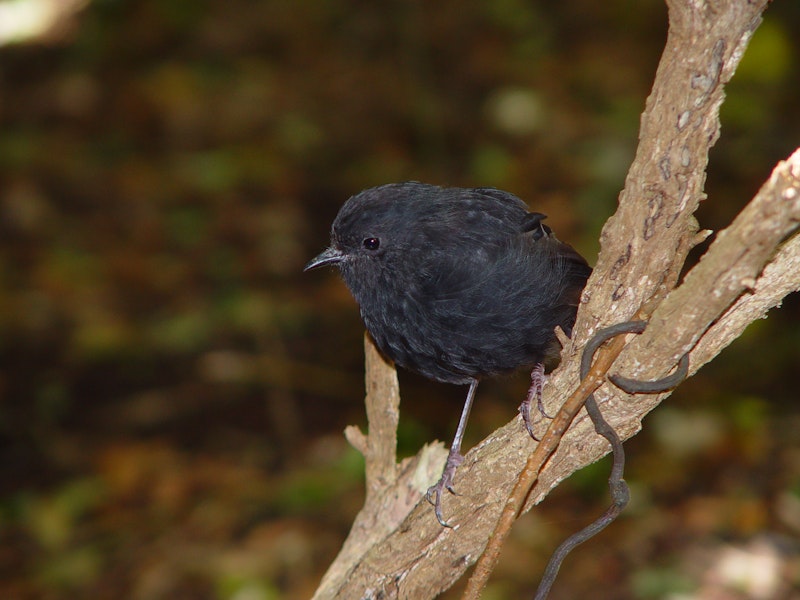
(396, 548)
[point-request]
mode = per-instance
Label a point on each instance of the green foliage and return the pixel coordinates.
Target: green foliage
(768, 59)
(307, 491)
(53, 519)
(661, 583)
(246, 588)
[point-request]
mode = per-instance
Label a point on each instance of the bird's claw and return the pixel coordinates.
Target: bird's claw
(535, 391)
(434, 493)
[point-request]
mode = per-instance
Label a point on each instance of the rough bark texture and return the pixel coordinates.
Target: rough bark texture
(396, 548)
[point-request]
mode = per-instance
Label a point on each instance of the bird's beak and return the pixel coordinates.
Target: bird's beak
(330, 256)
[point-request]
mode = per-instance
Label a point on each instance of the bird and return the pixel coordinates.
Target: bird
(457, 284)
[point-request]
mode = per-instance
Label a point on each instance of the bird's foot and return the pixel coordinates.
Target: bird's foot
(535, 391)
(434, 494)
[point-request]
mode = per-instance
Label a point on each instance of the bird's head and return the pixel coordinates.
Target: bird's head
(370, 228)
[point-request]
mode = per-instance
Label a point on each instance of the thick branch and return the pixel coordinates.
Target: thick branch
(729, 269)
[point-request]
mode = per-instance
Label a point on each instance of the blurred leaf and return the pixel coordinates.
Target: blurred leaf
(491, 164)
(243, 588)
(768, 58)
(592, 480)
(52, 399)
(18, 148)
(749, 413)
(224, 267)
(212, 171)
(188, 225)
(661, 583)
(298, 134)
(77, 567)
(52, 520)
(249, 311)
(100, 335)
(767, 61)
(310, 489)
(180, 332)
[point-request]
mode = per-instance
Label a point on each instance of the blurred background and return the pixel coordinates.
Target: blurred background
(173, 388)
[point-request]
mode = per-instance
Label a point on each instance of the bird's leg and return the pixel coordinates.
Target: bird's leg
(454, 458)
(537, 383)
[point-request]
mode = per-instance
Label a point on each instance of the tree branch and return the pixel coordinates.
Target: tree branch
(396, 548)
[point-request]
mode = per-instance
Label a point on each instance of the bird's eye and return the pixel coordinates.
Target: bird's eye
(371, 243)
